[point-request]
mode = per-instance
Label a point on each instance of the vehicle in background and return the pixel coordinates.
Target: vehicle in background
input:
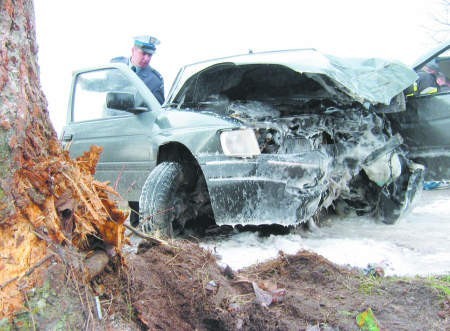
(425, 126)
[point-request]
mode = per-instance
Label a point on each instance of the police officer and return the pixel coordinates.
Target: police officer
(143, 49)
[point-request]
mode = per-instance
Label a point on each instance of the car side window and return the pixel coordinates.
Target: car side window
(434, 75)
(90, 94)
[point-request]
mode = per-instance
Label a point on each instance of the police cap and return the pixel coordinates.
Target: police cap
(146, 43)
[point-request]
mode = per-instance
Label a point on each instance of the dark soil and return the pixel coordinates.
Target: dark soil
(181, 287)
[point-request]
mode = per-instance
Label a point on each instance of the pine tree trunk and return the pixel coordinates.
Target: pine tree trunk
(26, 133)
(46, 198)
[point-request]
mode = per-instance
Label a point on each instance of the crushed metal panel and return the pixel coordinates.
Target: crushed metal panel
(365, 80)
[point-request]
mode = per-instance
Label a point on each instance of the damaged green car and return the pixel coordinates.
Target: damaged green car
(281, 137)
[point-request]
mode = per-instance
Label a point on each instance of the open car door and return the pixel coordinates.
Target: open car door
(425, 125)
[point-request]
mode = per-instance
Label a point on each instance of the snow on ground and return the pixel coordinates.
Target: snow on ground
(416, 245)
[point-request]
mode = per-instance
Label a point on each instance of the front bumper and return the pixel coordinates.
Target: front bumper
(270, 188)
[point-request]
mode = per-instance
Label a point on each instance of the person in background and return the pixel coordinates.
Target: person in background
(141, 53)
(431, 80)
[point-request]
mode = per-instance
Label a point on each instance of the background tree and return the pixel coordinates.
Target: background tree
(49, 203)
(441, 32)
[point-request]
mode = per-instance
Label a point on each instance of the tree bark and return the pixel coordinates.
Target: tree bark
(46, 198)
(26, 133)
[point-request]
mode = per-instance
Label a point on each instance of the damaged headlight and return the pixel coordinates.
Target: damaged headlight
(239, 143)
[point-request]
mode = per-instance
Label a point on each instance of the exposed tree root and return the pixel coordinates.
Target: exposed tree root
(67, 210)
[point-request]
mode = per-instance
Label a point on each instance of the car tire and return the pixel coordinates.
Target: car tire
(157, 202)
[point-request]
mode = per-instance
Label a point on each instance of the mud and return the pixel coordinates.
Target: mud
(180, 286)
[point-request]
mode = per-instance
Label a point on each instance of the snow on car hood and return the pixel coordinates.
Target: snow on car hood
(364, 80)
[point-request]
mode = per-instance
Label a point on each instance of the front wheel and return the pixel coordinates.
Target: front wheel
(171, 197)
(157, 202)
(387, 203)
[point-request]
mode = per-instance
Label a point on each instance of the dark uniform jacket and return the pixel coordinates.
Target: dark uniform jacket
(150, 77)
(426, 80)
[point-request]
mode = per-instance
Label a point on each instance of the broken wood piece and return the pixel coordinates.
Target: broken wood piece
(96, 263)
(142, 235)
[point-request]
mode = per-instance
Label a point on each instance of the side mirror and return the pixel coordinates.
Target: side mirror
(123, 101)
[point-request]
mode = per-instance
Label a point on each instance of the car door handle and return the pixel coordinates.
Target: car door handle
(67, 137)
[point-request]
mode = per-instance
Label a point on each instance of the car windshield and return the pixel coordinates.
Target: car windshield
(226, 83)
(292, 75)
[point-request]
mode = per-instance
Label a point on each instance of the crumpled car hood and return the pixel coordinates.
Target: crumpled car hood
(363, 80)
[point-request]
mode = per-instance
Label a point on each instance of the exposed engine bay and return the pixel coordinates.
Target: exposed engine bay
(368, 166)
(293, 112)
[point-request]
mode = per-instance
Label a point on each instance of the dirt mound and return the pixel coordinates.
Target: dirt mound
(320, 293)
(180, 286)
(169, 287)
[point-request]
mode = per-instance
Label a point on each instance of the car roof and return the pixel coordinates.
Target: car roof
(429, 55)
